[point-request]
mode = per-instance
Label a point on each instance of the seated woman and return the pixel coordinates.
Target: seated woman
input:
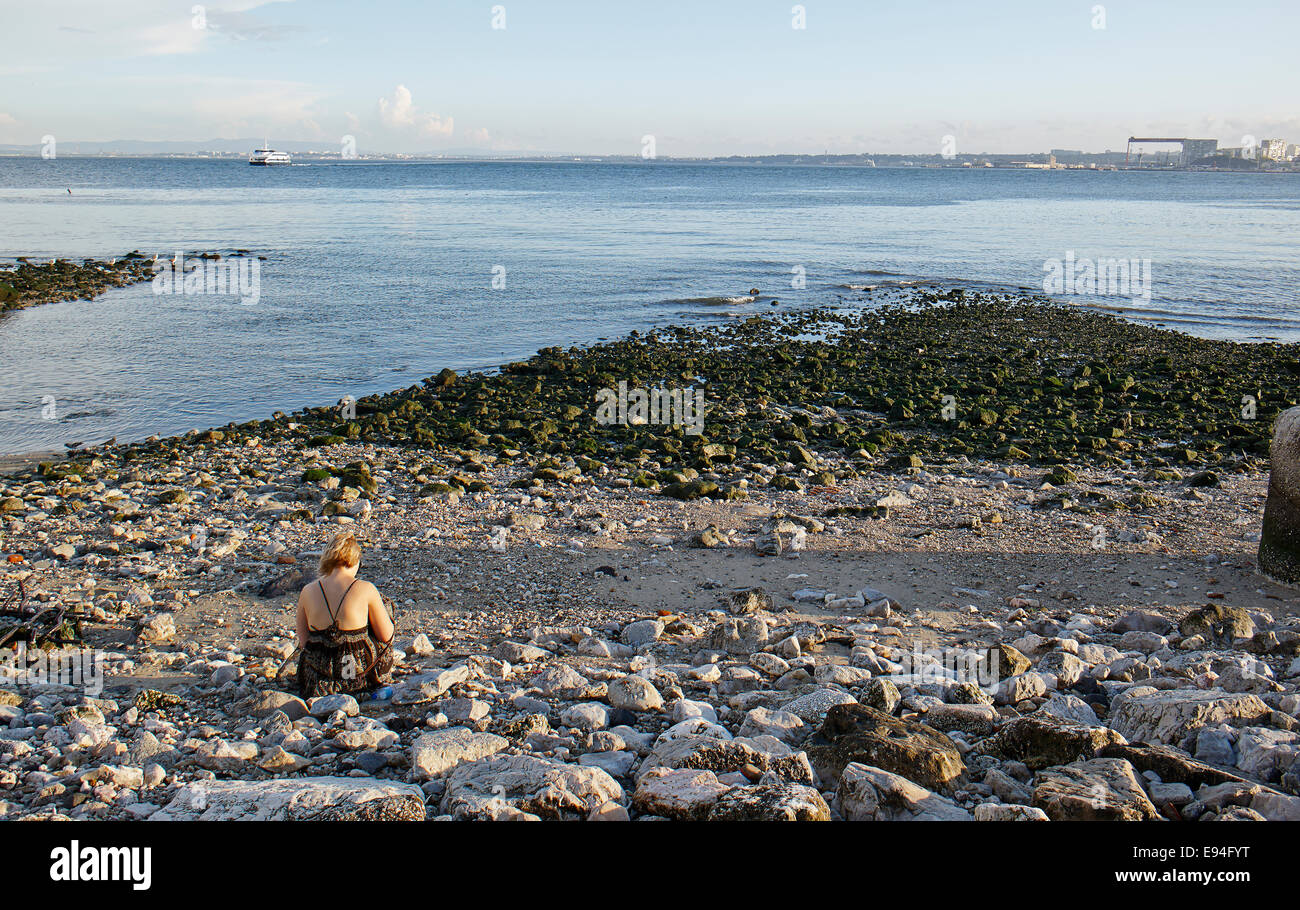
(344, 632)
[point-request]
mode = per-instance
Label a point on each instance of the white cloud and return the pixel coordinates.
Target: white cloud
(239, 107)
(400, 113)
(91, 29)
(176, 37)
(215, 107)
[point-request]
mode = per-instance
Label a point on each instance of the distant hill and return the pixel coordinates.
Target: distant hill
(146, 147)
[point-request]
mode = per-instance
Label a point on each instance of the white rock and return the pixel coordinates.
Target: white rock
(421, 646)
(295, 799)
(635, 694)
(224, 755)
(685, 709)
(1071, 708)
(1017, 688)
(325, 705)
(539, 786)
(685, 793)
(812, 707)
(587, 715)
(866, 793)
(438, 753)
(992, 812)
(616, 764)
(784, 725)
(1146, 714)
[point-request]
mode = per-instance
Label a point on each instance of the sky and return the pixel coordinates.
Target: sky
(702, 77)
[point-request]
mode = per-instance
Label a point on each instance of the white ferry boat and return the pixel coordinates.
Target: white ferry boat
(269, 156)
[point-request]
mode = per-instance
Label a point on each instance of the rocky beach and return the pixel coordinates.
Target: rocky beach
(963, 557)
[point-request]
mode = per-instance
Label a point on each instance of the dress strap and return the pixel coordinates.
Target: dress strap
(334, 620)
(325, 597)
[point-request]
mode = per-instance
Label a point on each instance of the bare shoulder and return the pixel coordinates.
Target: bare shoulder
(367, 588)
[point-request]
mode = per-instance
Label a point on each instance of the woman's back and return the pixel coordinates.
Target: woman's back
(346, 602)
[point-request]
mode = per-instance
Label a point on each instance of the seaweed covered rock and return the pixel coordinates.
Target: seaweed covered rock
(862, 734)
(1218, 624)
(1279, 544)
(1043, 740)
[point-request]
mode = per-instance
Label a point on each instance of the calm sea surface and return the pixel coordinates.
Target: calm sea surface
(379, 274)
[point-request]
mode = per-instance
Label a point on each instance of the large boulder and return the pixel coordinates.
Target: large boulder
(1169, 716)
(437, 754)
(535, 785)
(811, 707)
(1105, 789)
(226, 755)
(1042, 740)
(427, 686)
(679, 793)
(882, 695)
(971, 720)
(325, 705)
(1001, 661)
(1279, 542)
(861, 734)
(784, 725)
(642, 632)
(269, 701)
(1067, 668)
(1218, 624)
(1070, 708)
(709, 753)
(874, 794)
(1171, 765)
(561, 681)
(772, 802)
(739, 635)
(635, 694)
(295, 799)
(1266, 754)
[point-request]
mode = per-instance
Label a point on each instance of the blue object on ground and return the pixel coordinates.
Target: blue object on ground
(383, 693)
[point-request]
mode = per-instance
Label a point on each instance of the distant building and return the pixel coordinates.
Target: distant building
(1292, 152)
(1196, 149)
(1274, 149)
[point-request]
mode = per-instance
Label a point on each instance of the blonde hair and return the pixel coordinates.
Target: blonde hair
(342, 551)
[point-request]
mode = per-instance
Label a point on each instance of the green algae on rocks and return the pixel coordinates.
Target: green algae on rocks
(31, 284)
(814, 396)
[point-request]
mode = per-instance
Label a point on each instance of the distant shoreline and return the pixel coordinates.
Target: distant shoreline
(881, 162)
